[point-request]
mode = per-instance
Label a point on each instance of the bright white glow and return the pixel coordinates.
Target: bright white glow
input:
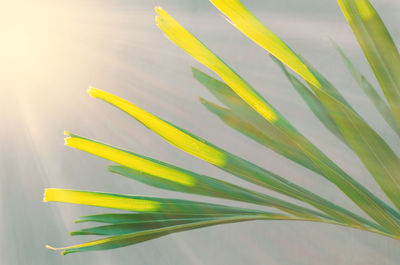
(25, 36)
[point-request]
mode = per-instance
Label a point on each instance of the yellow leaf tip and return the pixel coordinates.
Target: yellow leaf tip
(67, 139)
(161, 13)
(53, 248)
(49, 194)
(94, 92)
(45, 196)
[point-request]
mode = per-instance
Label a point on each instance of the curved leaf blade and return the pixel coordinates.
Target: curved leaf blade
(181, 37)
(141, 236)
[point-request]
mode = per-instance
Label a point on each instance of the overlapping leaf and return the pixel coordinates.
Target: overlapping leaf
(130, 229)
(227, 161)
(212, 187)
(367, 147)
(320, 163)
(263, 137)
(244, 119)
(149, 234)
(312, 102)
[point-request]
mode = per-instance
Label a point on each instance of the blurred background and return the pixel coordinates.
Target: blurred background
(52, 51)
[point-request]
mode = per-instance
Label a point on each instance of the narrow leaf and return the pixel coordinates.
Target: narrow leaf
(370, 91)
(378, 47)
(312, 102)
(181, 37)
(128, 228)
(131, 218)
(141, 203)
(247, 23)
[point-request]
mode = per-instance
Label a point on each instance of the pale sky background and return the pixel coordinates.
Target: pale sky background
(52, 51)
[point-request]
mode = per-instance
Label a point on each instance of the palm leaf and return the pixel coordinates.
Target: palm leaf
(250, 114)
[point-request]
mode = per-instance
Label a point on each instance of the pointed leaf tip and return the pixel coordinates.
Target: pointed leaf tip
(95, 92)
(52, 248)
(158, 9)
(90, 89)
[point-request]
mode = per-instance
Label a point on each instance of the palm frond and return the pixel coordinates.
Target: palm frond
(246, 111)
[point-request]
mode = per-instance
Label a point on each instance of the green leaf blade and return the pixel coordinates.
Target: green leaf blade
(378, 47)
(142, 203)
